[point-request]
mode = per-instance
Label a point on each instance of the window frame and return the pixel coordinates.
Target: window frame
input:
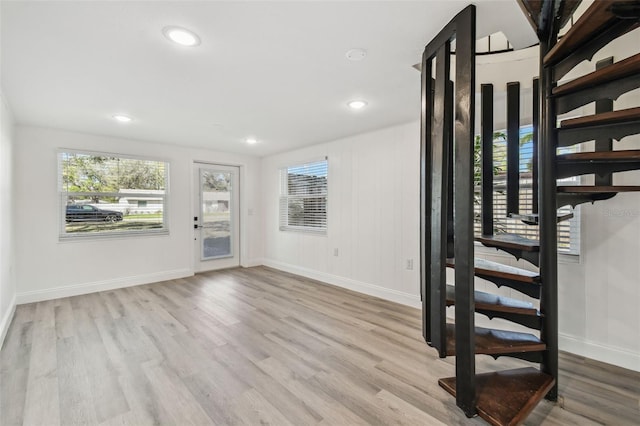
(63, 195)
(284, 197)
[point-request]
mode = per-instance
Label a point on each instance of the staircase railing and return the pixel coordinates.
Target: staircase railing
(439, 100)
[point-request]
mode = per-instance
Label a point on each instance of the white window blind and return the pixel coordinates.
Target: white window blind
(568, 231)
(109, 194)
(303, 197)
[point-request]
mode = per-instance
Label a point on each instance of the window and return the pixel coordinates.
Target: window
(108, 194)
(303, 197)
(568, 231)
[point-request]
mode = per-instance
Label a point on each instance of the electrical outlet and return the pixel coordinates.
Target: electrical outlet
(335, 252)
(410, 264)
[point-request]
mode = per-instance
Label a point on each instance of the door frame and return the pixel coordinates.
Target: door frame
(222, 263)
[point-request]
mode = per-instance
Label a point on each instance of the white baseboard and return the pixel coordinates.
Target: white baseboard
(85, 288)
(403, 298)
(604, 353)
(6, 320)
(252, 262)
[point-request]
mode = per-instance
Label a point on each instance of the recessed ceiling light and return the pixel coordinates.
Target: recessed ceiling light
(356, 54)
(122, 118)
(357, 104)
(252, 141)
(181, 36)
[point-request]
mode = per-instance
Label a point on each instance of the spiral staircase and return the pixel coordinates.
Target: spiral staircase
(447, 188)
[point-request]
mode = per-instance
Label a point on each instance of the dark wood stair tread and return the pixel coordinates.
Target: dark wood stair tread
(497, 342)
(534, 218)
(496, 303)
(596, 189)
(612, 117)
(488, 268)
(609, 156)
(509, 241)
(612, 72)
(597, 17)
(506, 397)
(599, 162)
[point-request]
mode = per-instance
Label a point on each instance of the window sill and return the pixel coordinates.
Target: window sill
(319, 233)
(111, 236)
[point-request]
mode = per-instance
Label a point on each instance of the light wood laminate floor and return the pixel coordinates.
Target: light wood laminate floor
(255, 346)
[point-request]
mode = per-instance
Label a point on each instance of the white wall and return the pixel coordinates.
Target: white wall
(47, 268)
(372, 215)
(7, 277)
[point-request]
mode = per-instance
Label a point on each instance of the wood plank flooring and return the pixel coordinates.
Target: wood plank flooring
(255, 346)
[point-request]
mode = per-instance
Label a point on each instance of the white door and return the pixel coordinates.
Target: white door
(216, 217)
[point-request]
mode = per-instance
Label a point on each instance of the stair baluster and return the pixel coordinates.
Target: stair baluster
(604, 144)
(465, 89)
(486, 93)
(513, 148)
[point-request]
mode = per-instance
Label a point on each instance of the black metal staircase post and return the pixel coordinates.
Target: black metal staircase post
(448, 125)
(439, 193)
(486, 96)
(464, 252)
(425, 193)
(604, 143)
(513, 148)
(548, 224)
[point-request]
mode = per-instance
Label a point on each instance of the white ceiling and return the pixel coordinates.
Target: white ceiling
(273, 70)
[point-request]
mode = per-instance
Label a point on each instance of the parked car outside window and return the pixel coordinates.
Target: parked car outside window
(89, 213)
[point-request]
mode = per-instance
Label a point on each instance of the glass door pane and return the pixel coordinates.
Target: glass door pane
(216, 202)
